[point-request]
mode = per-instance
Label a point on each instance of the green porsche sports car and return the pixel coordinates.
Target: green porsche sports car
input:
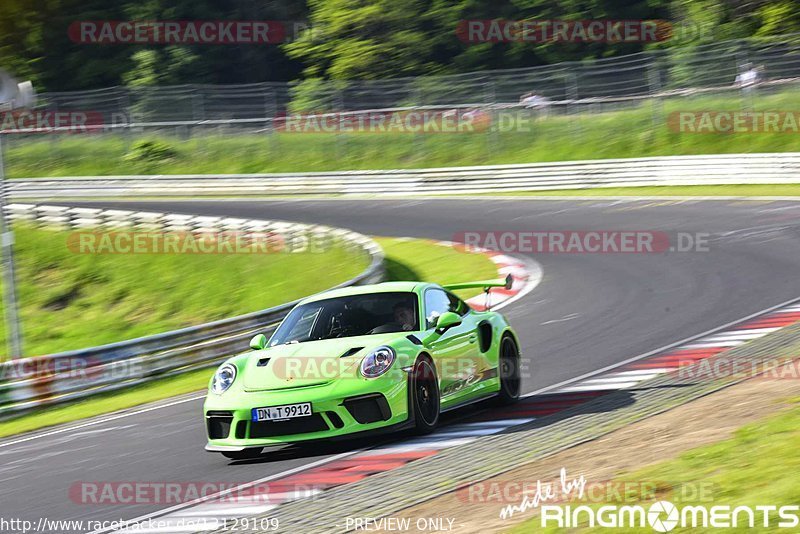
(365, 359)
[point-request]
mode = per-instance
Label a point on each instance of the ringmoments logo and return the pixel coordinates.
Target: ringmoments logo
(660, 516)
(664, 516)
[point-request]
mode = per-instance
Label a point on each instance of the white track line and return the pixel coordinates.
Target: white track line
(712, 344)
(534, 279)
(791, 302)
(230, 490)
(614, 386)
(629, 379)
(99, 421)
(413, 444)
(612, 379)
(739, 335)
(644, 372)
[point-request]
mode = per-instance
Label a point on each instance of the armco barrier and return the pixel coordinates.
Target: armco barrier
(673, 170)
(55, 378)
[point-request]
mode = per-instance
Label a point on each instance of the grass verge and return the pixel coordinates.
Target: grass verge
(104, 403)
(758, 466)
(406, 259)
(417, 259)
(71, 300)
(641, 131)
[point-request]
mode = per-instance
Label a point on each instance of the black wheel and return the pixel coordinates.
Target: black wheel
(425, 396)
(509, 368)
(246, 454)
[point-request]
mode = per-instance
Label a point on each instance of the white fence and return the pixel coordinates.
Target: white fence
(676, 170)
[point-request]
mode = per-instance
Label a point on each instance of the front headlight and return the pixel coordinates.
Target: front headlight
(377, 362)
(223, 378)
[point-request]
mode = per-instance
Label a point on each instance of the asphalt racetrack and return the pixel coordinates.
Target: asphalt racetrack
(589, 311)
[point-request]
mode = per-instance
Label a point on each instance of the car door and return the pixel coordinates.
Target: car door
(481, 368)
(456, 351)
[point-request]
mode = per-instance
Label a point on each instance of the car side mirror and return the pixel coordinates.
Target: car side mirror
(444, 322)
(447, 320)
(258, 342)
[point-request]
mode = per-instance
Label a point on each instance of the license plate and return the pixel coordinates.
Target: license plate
(287, 411)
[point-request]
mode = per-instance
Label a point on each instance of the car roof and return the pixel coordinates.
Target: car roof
(385, 287)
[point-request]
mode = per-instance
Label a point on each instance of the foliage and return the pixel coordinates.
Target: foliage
(35, 44)
(150, 151)
(346, 39)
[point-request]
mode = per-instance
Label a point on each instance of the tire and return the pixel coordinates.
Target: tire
(509, 370)
(246, 454)
(425, 400)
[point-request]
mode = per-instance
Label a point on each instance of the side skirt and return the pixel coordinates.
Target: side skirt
(470, 402)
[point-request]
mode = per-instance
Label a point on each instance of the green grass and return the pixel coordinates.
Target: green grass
(758, 466)
(414, 259)
(634, 132)
(760, 190)
(405, 260)
(108, 402)
(71, 301)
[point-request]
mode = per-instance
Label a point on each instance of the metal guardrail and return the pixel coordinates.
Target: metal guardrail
(673, 170)
(37, 381)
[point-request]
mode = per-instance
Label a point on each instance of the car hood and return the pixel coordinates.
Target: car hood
(308, 364)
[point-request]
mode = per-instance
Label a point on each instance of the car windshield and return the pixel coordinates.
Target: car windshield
(354, 315)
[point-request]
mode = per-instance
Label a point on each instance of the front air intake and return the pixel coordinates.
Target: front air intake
(368, 408)
(219, 424)
(288, 427)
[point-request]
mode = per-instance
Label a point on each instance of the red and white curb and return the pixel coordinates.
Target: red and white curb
(209, 514)
(632, 374)
(526, 274)
(310, 481)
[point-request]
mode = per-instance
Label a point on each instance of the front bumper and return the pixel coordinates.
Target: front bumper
(335, 414)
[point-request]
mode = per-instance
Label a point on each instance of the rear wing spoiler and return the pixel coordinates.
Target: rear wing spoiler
(486, 285)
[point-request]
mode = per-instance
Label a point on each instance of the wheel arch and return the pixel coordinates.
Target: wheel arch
(410, 385)
(509, 332)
